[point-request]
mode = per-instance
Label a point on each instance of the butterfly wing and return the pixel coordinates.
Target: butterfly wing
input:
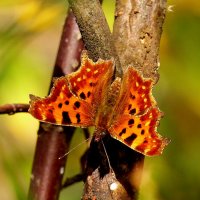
(91, 82)
(73, 99)
(62, 107)
(136, 115)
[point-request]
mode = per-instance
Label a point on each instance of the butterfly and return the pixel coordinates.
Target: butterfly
(123, 108)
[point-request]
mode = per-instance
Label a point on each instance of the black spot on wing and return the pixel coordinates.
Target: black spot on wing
(139, 125)
(129, 140)
(132, 96)
(88, 94)
(132, 111)
(60, 105)
(142, 132)
(67, 102)
(78, 118)
(131, 122)
(122, 132)
(66, 119)
(77, 104)
(82, 95)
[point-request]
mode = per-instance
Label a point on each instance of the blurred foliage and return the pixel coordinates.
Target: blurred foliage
(29, 38)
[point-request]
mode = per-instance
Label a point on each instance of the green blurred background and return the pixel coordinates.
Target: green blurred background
(29, 38)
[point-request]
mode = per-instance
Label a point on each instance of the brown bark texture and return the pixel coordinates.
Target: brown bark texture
(137, 32)
(95, 31)
(53, 141)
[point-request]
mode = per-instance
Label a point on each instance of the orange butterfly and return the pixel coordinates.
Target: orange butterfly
(124, 108)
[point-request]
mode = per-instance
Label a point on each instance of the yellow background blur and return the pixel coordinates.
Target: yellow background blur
(29, 38)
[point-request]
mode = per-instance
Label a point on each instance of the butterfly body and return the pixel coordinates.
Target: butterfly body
(106, 110)
(123, 108)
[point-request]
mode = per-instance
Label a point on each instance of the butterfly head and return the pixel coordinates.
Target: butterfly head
(99, 134)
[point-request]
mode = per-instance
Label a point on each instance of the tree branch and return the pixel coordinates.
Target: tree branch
(95, 31)
(11, 109)
(53, 141)
(137, 32)
(72, 180)
(100, 177)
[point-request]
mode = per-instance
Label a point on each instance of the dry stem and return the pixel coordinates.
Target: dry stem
(11, 109)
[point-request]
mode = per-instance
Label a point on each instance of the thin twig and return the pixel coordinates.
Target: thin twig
(72, 180)
(11, 109)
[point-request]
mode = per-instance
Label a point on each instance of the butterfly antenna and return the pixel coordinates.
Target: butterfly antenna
(111, 170)
(75, 148)
(107, 156)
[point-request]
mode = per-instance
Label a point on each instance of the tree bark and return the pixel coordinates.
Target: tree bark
(137, 32)
(53, 141)
(95, 31)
